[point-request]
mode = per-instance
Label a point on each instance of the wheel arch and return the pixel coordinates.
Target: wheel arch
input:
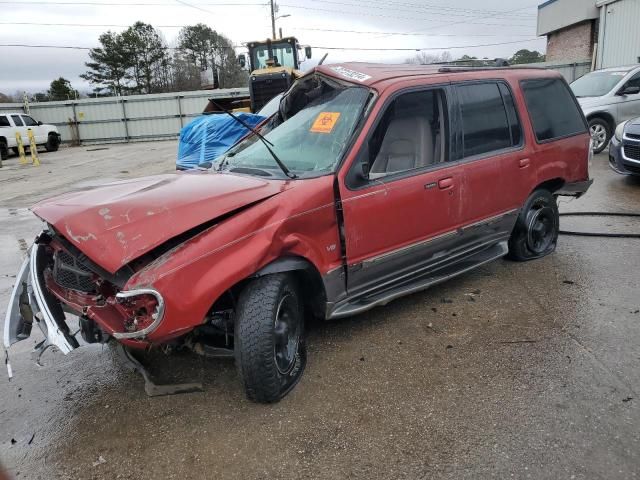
(606, 116)
(552, 185)
(308, 277)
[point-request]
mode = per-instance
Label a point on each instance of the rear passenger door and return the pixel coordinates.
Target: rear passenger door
(490, 150)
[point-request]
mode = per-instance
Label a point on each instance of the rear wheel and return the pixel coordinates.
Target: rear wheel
(600, 134)
(52, 143)
(536, 231)
(4, 151)
(269, 337)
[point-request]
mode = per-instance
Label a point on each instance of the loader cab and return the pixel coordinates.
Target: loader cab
(274, 66)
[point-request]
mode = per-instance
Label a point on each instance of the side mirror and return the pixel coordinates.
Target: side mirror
(307, 51)
(242, 60)
(39, 124)
(629, 91)
(363, 171)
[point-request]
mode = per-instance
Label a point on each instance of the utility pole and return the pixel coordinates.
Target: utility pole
(273, 19)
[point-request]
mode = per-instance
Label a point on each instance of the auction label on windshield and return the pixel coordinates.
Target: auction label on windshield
(325, 122)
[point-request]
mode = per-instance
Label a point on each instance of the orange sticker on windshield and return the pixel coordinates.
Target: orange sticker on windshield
(325, 122)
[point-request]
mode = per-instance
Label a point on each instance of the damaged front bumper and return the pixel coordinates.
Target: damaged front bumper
(30, 302)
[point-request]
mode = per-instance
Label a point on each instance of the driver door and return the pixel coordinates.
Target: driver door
(408, 209)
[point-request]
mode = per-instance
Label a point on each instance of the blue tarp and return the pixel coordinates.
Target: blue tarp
(209, 136)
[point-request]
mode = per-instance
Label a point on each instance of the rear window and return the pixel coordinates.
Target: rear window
(486, 127)
(4, 121)
(553, 111)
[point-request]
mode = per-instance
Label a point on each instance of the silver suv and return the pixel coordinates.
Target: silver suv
(608, 97)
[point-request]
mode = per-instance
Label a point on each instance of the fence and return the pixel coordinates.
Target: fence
(570, 71)
(126, 118)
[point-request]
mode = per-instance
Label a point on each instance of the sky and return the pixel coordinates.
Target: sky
(353, 26)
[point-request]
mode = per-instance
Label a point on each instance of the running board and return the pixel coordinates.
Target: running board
(361, 304)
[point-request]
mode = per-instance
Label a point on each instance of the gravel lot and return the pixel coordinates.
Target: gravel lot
(512, 371)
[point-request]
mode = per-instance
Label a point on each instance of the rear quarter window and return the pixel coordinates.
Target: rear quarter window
(553, 111)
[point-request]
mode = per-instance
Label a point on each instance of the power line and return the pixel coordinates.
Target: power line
(427, 6)
(381, 15)
(152, 4)
(113, 25)
(416, 49)
(431, 10)
(422, 49)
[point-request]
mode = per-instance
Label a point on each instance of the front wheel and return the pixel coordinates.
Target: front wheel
(535, 233)
(600, 134)
(269, 337)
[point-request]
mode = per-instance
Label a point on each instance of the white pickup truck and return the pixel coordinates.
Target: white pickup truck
(10, 123)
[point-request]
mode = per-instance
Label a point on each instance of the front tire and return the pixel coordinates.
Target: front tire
(535, 233)
(269, 337)
(600, 134)
(52, 143)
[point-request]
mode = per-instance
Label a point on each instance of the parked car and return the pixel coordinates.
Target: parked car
(624, 151)
(608, 97)
(370, 183)
(10, 123)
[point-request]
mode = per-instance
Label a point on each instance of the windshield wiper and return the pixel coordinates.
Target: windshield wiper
(264, 141)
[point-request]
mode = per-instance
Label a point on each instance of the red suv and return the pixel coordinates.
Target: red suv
(369, 183)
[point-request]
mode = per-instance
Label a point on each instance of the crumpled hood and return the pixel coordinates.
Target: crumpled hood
(118, 222)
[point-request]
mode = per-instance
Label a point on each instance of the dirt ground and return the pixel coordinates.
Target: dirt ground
(512, 371)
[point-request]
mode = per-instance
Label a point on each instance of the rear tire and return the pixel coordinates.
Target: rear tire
(52, 143)
(535, 233)
(269, 337)
(4, 151)
(600, 132)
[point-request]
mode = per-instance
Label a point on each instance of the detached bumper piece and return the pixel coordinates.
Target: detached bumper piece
(31, 302)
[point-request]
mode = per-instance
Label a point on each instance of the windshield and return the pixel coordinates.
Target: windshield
(283, 55)
(310, 132)
(596, 84)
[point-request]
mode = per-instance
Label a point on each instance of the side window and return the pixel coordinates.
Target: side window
(553, 111)
(485, 125)
(410, 135)
(28, 121)
(633, 81)
(512, 115)
(4, 121)
(17, 121)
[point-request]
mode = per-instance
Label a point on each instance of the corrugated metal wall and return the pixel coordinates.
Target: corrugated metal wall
(619, 38)
(128, 118)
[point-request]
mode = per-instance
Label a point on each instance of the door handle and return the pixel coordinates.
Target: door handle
(524, 162)
(445, 183)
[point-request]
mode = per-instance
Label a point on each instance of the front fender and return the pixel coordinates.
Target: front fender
(191, 277)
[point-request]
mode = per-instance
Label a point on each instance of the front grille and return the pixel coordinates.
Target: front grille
(265, 87)
(632, 168)
(633, 136)
(632, 152)
(69, 273)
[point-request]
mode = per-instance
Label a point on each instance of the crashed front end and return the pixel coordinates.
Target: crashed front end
(55, 279)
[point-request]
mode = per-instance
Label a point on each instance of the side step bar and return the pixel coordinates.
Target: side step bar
(361, 304)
